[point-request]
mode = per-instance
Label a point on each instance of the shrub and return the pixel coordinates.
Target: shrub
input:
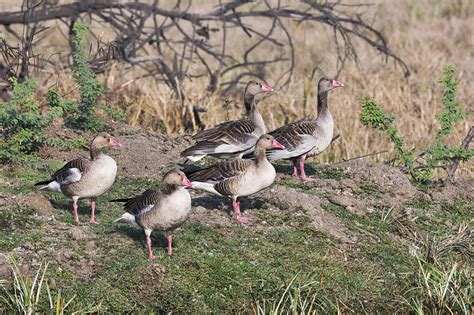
(22, 123)
(438, 154)
(84, 116)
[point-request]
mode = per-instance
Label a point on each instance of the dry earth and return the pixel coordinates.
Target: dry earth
(358, 186)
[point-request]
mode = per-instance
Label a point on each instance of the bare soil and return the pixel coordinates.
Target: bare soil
(149, 154)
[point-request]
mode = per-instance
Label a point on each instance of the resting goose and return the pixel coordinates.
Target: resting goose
(238, 178)
(306, 138)
(162, 209)
(86, 178)
(235, 137)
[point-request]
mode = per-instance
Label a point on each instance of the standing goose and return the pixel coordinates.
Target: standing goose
(238, 178)
(162, 209)
(86, 178)
(235, 137)
(306, 138)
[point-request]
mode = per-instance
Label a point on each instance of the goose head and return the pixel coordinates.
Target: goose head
(254, 88)
(267, 141)
(176, 178)
(326, 85)
(103, 140)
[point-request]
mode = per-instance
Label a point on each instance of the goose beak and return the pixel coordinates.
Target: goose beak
(336, 84)
(277, 145)
(187, 182)
(266, 88)
(114, 143)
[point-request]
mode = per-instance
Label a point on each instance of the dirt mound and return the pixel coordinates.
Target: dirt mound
(321, 219)
(37, 202)
(387, 179)
(450, 192)
(148, 154)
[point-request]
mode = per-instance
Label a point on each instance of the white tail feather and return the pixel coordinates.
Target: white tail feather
(206, 186)
(126, 218)
(53, 186)
(195, 158)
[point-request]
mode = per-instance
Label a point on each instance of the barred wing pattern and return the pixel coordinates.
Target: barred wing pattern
(72, 171)
(229, 137)
(298, 139)
(220, 171)
(231, 129)
(142, 203)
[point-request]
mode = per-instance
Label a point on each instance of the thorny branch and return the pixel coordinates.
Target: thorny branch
(173, 45)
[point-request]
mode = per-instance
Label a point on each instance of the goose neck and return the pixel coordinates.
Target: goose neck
(95, 152)
(249, 102)
(260, 155)
(322, 109)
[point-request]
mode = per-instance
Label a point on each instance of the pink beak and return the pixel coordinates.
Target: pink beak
(337, 84)
(267, 88)
(114, 143)
(278, 145)
(187, 182)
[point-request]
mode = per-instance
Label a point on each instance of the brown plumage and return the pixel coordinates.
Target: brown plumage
(162, 209)
(238, 177)
(86, 178)
(306, 138)
(232, 138)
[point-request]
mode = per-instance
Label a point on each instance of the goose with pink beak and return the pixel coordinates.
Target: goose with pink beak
(306, 138)
(238, 178)
(163, 209)
(86, 178)
(232, 138)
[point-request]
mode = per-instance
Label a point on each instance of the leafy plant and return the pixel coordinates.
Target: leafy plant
(439, 154)
(23, 124)
(84, 116)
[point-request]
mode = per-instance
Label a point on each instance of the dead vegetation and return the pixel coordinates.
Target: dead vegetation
(426, 35)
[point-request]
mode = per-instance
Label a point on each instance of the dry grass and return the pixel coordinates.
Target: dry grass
(428, 35)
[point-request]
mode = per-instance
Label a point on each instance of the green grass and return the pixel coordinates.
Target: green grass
(230, 268)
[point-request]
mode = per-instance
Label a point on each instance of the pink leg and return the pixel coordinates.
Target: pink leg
(170, 244)
(74, 211)
(93, 221)
(148, 244)
(295, 169)
(237, 215)
(302, 173)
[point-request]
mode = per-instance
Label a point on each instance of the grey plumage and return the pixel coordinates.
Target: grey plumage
(234, 137)
(162, 209)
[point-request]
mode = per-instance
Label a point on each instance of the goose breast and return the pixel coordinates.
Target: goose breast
(96, 180)
(170, 213)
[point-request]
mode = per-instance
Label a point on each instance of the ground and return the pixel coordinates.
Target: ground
(343, 240)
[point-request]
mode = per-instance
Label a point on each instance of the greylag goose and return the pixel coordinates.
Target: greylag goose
(162, 209)
(238, 178)
(86, 178)
(235, 137)
(306, 138)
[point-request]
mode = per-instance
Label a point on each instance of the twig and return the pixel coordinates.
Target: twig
(360, 157)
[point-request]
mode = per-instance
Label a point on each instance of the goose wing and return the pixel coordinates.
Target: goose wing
(229, 137)
(142, 203)
(72, 171)
(298, 138)
(221, 171)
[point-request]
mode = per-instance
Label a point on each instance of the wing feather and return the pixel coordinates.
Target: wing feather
(72, 171)
(230, 137)
(142, 203)
(221, 171)
(298, 139)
